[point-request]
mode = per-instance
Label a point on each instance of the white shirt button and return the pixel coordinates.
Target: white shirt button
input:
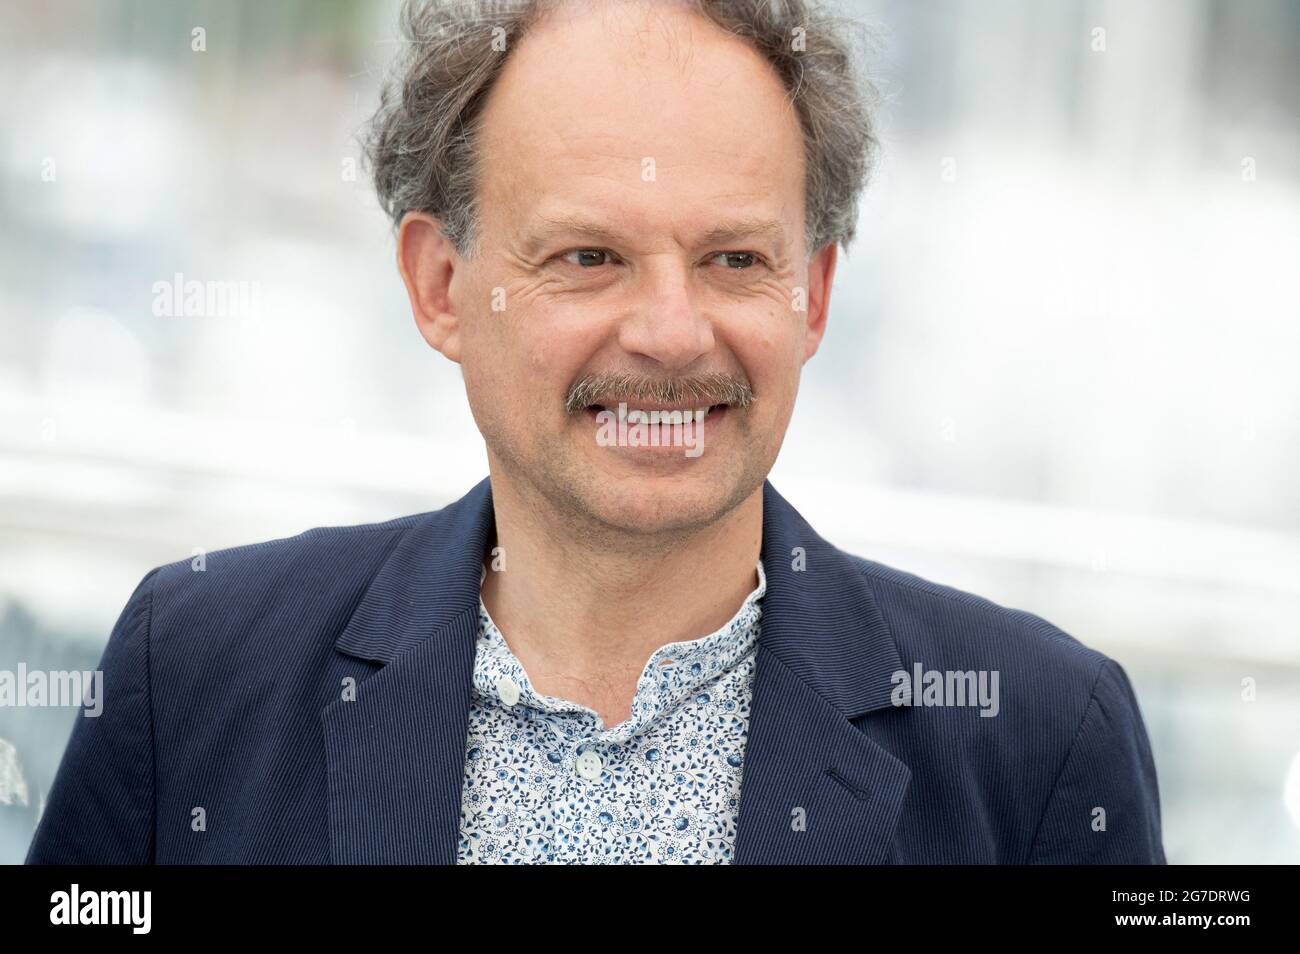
(589, 765)
(507, 690)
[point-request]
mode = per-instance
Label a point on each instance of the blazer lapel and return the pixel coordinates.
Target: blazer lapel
(816, 789)
(396, 753)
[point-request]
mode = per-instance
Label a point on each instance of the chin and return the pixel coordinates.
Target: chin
(652, 504)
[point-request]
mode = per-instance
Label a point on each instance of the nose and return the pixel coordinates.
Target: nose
(666, 324)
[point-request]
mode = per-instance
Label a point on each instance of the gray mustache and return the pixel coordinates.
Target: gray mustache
(695, 390)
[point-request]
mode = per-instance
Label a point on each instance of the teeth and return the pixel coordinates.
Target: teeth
(636, 410)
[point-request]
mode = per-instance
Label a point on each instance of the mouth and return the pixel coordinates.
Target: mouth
(717, 409)
(714, 416)
(657, 433)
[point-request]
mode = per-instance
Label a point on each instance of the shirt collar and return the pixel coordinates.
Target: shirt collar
(672, 674)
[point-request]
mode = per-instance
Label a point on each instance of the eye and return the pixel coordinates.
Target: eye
(739, 261)
(588, 257)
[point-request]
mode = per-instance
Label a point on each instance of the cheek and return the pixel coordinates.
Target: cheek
(532, 363)
(482, 388)
(555, 344)
(511, 348)
(538, 357)
(773, 353)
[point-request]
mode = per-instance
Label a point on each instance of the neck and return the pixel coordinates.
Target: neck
(584, 611)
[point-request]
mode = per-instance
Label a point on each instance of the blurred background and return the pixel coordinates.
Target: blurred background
(1061, 369)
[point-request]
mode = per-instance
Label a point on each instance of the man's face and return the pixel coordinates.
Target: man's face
(618, 148)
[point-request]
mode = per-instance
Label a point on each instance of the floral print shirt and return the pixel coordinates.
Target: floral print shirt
(547, 782)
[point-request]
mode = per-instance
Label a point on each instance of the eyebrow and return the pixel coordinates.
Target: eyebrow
(548, 227)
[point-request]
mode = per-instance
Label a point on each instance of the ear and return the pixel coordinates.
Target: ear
(428, 263)
(821, 271)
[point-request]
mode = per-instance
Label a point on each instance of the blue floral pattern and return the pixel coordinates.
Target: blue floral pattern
(547, 783)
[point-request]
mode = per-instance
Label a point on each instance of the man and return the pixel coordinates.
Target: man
(612, 650)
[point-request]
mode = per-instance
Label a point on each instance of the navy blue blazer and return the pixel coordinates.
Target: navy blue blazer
(225, 736)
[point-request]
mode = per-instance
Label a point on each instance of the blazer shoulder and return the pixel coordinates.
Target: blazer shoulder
(1069, 727)
(283, 598)
(962, 630)
(337, 548)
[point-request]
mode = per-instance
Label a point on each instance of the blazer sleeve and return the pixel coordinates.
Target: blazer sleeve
(1105, 805)
(100, 809)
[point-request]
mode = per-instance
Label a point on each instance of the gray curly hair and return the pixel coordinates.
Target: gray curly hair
(420, 144)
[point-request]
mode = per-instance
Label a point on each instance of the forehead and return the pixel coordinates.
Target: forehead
(650, 115)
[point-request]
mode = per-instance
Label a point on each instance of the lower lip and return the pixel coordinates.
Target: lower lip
(712, 422)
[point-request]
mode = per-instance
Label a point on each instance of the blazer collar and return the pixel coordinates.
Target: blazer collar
(431, 578)
(826, 656)
(820, 616)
